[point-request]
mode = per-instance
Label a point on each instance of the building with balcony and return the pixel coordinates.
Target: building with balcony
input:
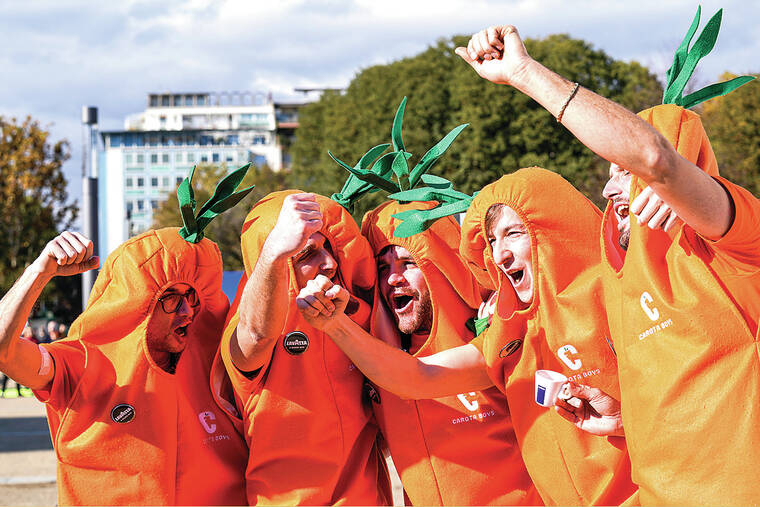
(139, 166)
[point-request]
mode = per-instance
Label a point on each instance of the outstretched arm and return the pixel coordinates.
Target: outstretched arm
(69, 253)
(266, 291)
(445, 373)
(611, 131)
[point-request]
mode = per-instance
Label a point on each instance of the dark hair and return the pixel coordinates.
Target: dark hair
(492, 215)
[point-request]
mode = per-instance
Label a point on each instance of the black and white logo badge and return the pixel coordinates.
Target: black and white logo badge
(295, 343)
(510, 348)
(122, 413)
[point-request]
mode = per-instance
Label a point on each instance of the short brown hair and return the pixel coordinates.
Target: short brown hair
(492, 216)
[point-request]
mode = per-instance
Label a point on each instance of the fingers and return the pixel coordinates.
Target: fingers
(653, 211)
(70, 248)
(485, 45)
(580, 391)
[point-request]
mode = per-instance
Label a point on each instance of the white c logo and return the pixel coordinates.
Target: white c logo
(207, 421)
(573, 364)
(653, 313)
(472, 406)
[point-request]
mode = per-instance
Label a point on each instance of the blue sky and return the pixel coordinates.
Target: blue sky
(57, 56)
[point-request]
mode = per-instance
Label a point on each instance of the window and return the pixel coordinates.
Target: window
(154, 158)
(165, 158)
(191, 157)
(188, 100)
(229, 157)
(259, 160)
(140, 205)
(128, 158)
(215, 157)
(204, 158)
(140, 182)
(165, 182)
(154, 182)
(140, 158)
(154, 204)
(178, 157)
(129, 207)
(179, 179)
(178, 100)
(165, 101)
(129, 182)
(259, 140)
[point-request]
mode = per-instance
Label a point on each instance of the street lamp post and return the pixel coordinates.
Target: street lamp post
(89, 207)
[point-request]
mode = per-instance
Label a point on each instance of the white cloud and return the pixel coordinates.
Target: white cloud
(60, 55)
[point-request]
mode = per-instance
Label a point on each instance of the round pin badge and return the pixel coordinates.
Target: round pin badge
(510, 348)
(295, 343)
(122, 413)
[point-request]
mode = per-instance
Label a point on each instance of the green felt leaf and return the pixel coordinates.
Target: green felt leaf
(223, 198)
(371, 156)
(682, 50)
(434, 153)
(398, 143)
(401, 169)
(416, 221)
(434, 181)
(430, 194)
(702, 47)
(714, 90)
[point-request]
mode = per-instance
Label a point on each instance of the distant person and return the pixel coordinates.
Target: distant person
(63, 330)
(53, 332)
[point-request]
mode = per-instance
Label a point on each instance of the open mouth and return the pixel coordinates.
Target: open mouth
(181, 331)
(400, 302)
(621, 210)
(516, 276)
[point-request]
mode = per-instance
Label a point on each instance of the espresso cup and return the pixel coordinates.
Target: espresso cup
(548, 385)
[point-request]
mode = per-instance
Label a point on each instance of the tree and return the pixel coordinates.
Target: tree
(33, 199)
(733, 124)
(507, 131)
(225, 229)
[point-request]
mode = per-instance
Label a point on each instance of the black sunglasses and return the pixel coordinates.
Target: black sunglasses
(170, 302)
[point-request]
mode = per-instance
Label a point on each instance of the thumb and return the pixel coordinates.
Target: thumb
(462, 52)
(571, 389)
(91, 263)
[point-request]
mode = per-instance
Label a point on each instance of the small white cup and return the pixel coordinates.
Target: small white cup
(548, 384)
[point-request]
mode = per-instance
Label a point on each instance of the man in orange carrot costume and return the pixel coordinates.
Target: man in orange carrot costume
(682, 303)
(455, 450)
(546, 316)
(132, 416)
(310, 434)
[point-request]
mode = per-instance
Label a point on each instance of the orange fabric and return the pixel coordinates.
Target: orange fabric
(563, 329)
(682, 311)
(457, 450)
(180, 447)
(311, 437)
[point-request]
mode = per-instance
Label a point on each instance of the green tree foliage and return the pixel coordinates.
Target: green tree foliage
(733, 124)
(507, 129)
(224, 230)
(33, 199)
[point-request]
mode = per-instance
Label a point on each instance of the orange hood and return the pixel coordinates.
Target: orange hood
(135, 275)
(563, 238)
(455, 295)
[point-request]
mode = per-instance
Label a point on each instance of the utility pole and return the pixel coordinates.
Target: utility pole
(89, 206)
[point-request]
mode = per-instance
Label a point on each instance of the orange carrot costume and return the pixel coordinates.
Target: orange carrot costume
(563, 329)
(457, 450)
(683, 313)
(124, 430)
(311, 437)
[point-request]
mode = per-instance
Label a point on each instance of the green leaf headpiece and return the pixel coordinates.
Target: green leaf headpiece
(224, 198)
(374, 172)
(685, 61)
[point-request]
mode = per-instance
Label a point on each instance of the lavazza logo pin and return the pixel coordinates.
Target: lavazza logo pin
(295, 343)
(122, 413)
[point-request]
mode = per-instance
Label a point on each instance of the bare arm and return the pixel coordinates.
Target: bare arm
(611, 131)
(266, 292)
(445, 373)
(69, 253)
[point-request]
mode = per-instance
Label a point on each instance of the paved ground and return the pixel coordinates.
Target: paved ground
(27, 461)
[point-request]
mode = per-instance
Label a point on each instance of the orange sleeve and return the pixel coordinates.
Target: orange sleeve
(69, 361)
(478, 341)
(739, 248)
